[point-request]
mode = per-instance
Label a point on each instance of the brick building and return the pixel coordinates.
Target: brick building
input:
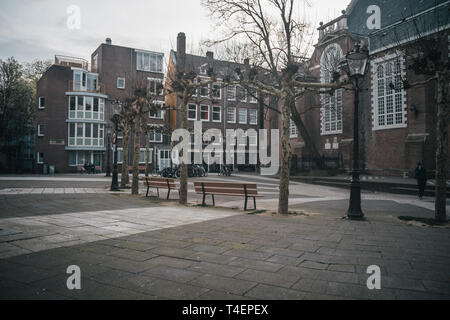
(397, 124)
(74, 108)
(227, 107)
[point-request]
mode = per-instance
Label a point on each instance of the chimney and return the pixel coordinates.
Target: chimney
(108, 41)
(181, 51)
(210, 55)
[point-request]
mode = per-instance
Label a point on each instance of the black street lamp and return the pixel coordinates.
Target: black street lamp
(355, 64)
(116, 113)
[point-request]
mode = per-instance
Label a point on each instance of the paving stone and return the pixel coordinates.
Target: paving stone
(171, 262)
(173, 274)
(313, 265)
(248, 254)
(219, 295)
(256, 264)
(342, 268)
(127, 265)
(224, 284)
(285, 260)
(266, 292)
(281, 280)
(133, 254)
(217, 269)
(310, 285)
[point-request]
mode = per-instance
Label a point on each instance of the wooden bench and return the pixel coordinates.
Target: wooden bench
(160, 183)
(247, 190)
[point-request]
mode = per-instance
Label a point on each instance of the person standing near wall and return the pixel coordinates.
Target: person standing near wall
(421, 176)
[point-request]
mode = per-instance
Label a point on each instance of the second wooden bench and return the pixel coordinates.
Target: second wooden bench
(160, 183)
(247, 190)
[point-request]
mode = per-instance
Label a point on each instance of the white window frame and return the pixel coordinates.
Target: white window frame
(156, 80)
(121, 79)
(207, 91)
(201, 112)
(219, 91)
(253, 99)
(250, 118)
(330, 112)
(40, 134)
(395, 94)
(39, 103)
(242, 89)
(215, 112)
(154, 135)
(161, 103)
(228, 91)
(40, 160)
(293, 130)
(239, 116)
(255, 137)
(159, 62)
(234, 114)
(196, 112)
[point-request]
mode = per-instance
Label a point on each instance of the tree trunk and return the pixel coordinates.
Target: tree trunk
(136, 154)
(283, 203)
(442, 146)
(309, 143)
(147, 150)
(183, 166)
(125, 179)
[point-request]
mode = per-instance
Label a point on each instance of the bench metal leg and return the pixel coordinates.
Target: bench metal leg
(254, 202)
(204, 198)
(148, 188)
(157, 189)
(168, 194)
(214, 202)
(245, 204)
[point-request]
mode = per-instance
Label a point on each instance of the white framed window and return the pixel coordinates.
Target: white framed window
(41, 104)
(389, 97)
(192, 112)
(156, 136)
(204, 113)
(142, 155)
(120, 83)
(231, 115)
(331, 105)
(242, 94)
(204, 91)
(252, 138)
(41, 130)
(253, 116)
(242, 115)
(149, 61)
(158, 113)
(95, 62)
(155, 86)
(86, 134)
(253, 96)
(217, 91)
(293, 129)
(40, 158)
(216, 114)
(231, 93)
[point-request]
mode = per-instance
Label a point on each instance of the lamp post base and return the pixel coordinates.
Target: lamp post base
(354, 210)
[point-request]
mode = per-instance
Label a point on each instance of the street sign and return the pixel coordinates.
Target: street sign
(368, 16)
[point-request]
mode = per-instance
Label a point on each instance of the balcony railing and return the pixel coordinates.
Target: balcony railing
(333, 26)
(71, 62)
(80, 86)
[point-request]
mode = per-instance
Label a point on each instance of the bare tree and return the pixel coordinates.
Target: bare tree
(280, 43)
(184, 85)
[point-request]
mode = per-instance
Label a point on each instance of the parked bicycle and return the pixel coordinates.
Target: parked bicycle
(225, 171)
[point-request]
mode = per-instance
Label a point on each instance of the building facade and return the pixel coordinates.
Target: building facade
(74, 107)
(397, 121)
(218, 106)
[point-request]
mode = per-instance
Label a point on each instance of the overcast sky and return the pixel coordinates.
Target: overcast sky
(37, 29)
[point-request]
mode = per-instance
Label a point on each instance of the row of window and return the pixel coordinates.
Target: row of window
(81, 107)
(214, 114)
(86, 134)
(234, 93)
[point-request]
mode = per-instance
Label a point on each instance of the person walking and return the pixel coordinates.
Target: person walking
(421, 176)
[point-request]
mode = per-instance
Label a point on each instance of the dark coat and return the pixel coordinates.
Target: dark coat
(421, 175)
